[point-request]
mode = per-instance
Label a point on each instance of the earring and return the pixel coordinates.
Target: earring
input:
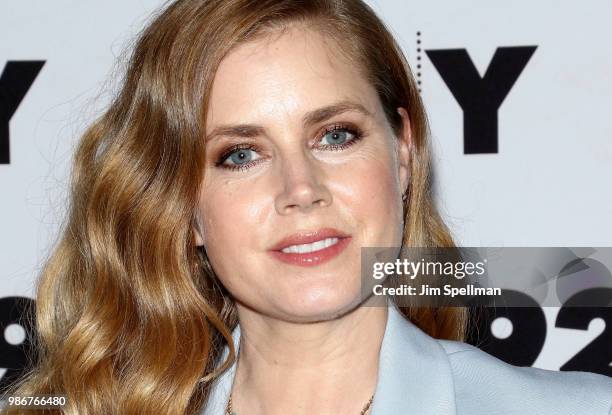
(404, 197)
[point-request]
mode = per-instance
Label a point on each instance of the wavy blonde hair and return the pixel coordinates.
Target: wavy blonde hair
(130, 316)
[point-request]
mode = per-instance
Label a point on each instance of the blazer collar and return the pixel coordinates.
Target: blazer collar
(414, 373)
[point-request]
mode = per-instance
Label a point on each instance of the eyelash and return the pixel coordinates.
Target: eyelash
(354, 131)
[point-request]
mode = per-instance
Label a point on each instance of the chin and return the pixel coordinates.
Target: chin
(320, 304)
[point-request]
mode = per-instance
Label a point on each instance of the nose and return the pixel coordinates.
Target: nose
(303, 186)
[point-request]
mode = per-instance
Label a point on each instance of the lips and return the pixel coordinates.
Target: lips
(315, 257)
(308, 238)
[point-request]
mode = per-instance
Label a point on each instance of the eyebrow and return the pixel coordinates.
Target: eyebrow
(311, 118)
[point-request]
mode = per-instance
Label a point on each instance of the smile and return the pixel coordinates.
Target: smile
(311, 248)
(315, 246)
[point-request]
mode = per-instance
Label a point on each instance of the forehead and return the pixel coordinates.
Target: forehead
(285, 75)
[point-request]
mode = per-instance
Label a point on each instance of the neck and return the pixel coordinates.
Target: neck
(305, 368)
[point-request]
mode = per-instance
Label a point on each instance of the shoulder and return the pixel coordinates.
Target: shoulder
(484, 384)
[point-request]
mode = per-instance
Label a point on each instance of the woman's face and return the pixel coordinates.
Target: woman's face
(297, 143)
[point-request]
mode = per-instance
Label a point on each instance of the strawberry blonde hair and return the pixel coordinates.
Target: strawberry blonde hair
(130, 316)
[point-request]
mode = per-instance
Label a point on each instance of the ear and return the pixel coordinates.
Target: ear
(197, 233)
(404, 147)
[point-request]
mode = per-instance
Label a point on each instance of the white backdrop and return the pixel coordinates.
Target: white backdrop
(547, 185)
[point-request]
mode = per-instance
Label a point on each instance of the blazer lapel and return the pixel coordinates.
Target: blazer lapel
(414, 374)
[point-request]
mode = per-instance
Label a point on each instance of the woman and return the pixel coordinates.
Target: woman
(211, 261)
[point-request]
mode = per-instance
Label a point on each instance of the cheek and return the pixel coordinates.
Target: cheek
(230, 219)
(372, 192)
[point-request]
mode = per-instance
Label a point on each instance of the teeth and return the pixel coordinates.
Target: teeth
(315, 246)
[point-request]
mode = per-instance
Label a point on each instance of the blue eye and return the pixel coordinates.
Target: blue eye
(238, 157)
(337, 136)
(241, 156)
(340, 137)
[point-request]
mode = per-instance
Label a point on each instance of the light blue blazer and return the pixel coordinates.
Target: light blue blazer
(420, 375)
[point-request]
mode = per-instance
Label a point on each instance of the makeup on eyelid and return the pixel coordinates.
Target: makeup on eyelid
(356, 133)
